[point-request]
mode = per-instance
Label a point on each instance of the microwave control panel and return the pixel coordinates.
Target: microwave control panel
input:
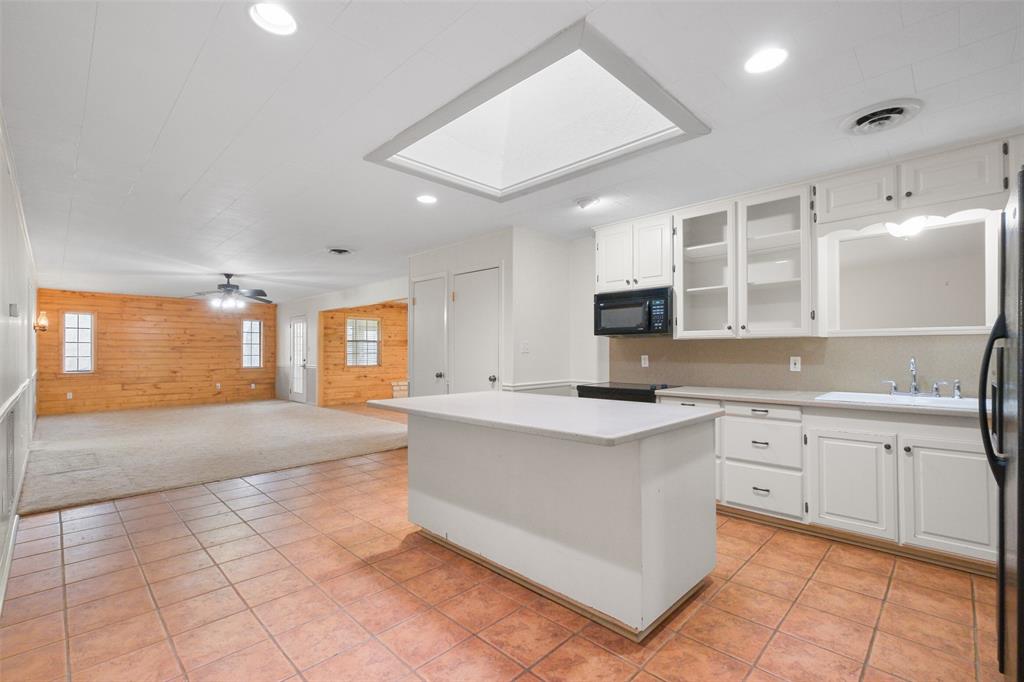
(659, 315)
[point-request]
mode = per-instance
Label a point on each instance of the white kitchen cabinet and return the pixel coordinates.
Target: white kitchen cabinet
(948, 497)
(1015, 160)
(635, 255)
(694, 402)
(705, 276)
(852, 479)
(857, 194)
(614, 253)
(774, 270)
(762, 488)
(968, 172)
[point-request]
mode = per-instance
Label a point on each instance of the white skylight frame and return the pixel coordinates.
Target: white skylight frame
(578, 37)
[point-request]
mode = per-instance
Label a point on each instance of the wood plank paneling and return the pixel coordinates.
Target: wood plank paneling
(340, 384)
(152, 351)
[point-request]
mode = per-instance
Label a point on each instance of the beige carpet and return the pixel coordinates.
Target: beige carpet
(82, 458)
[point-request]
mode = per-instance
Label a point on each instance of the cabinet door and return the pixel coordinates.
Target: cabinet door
(705, 272)
(774, 246)
(855, 194)
(852, 481)
(959, 174)
(614, 253)
(652, 252)
(948, 498)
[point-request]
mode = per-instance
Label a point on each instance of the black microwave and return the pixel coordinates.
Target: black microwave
(642, 311)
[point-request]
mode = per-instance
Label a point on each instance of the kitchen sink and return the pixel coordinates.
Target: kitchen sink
(966, 404)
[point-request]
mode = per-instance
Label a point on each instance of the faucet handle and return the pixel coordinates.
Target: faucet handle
(891, 384)
(956, 389)
(935, 388)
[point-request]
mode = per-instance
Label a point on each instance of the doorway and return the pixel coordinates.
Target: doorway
(476, 330)
(297, 385)
(429, 333)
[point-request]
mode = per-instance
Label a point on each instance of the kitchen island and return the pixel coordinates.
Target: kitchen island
(607, 507)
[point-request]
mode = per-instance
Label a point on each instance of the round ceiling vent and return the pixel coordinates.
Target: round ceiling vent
(881, 116)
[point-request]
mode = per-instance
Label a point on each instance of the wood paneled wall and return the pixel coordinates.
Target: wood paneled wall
(340, 384)
(152, 351)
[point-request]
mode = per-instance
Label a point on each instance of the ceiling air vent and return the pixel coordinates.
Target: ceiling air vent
(338, 251)
(881, 116)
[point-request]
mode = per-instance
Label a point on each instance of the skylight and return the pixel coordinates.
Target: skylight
(574, 103)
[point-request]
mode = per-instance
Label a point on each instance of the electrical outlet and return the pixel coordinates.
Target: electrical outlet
(645, 361)
(70, 394)
(794, 363)
(217, 386)
(524, 347)
(252, 386)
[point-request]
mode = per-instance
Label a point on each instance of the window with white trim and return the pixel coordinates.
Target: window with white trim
(252, 343)
(362, 342)
(78, 338)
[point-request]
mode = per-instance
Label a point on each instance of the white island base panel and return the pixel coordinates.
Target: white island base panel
(620, 533)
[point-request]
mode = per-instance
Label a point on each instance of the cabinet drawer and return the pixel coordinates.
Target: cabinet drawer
(787, 412)
(763, 441)
(772, 490)
(688, 402)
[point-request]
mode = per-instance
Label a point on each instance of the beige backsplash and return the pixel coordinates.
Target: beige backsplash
(834, 364)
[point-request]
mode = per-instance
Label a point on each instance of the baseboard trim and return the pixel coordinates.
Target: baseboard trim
(931, 556)
(603, 619)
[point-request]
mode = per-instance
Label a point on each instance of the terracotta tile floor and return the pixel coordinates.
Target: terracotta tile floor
(314, 573)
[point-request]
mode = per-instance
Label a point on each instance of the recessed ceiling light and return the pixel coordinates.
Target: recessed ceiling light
(588, 202)
(273, 18)
(765, 60)
(426, 199)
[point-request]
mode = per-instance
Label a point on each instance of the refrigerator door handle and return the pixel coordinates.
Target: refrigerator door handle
(995, 463)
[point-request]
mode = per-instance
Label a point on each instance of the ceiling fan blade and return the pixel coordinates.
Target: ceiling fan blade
(205, 293)
(252, 292)
(260, 299)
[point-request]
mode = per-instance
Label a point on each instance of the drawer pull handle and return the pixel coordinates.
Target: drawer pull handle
(688, 404)
(755, 410)
(761, 443)
(760, 490)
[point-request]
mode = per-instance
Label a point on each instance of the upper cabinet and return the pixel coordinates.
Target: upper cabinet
(705, 277)
(959, 174)
(635, 255)
(774, 246)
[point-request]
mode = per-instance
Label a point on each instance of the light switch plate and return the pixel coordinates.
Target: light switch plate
(524, 347)
(645, 361)
(12, 309)
(252, 386)
(794, 363)
(69, 395)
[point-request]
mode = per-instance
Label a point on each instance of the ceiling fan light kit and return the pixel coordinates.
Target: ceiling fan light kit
(228, 296)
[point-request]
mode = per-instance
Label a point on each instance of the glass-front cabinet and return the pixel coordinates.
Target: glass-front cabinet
(774, 263)
(705, 276)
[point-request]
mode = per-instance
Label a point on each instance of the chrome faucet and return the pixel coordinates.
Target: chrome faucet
(914, 388)
(956, 389)
(935, 388)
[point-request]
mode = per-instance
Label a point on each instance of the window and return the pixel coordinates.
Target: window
(362, 342)
(252, 343)
(78, 342)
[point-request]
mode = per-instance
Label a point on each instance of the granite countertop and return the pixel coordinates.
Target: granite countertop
(810, 399)
(598, 422)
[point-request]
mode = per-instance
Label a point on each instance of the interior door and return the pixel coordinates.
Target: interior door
(429, 333)
(476, 320)
(298, 354)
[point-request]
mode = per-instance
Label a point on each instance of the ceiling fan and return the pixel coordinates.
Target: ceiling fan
(229, 296)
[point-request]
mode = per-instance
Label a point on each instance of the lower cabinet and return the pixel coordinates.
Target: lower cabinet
(852, 481)
(948, 497)
(763, 488)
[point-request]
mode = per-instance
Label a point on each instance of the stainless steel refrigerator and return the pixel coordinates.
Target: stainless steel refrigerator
(1002, 375)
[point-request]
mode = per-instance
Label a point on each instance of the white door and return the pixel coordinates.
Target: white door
(959, 174)
(856, 194)
(948, 498)
(852, 481)
(614, 253)
(429, 333)
(298, 352)
(652, 252)
(476, 329)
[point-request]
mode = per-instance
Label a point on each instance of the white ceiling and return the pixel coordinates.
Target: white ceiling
(159, 143)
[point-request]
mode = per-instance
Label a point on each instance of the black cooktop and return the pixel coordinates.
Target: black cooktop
(620, 390)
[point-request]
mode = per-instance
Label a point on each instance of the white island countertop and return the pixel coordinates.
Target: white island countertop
(599, 422)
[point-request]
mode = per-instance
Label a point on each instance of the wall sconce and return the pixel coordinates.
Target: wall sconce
(42, 322)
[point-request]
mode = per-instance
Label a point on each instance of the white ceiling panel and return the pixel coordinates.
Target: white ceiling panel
(160, 143)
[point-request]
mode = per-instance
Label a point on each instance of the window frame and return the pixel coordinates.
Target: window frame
(379, 342)
(63, 342)
(242, 332)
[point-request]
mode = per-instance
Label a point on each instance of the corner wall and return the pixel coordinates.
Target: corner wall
(17, 351)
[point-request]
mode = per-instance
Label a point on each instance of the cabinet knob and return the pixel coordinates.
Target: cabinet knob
(887, 446)
(635, 281)
(908, 194)
(743, 326)
(906, 448)
(438, 375)
(492, 378)
(728, 326)
(888, 197)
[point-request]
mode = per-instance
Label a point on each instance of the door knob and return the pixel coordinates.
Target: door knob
(438, 375)
(492, 378)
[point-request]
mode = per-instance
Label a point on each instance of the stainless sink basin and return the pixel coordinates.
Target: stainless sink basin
(966, 404)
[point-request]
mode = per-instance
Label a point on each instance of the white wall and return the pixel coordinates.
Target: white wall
(17, 349)
(588, 354)
(310, 307)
